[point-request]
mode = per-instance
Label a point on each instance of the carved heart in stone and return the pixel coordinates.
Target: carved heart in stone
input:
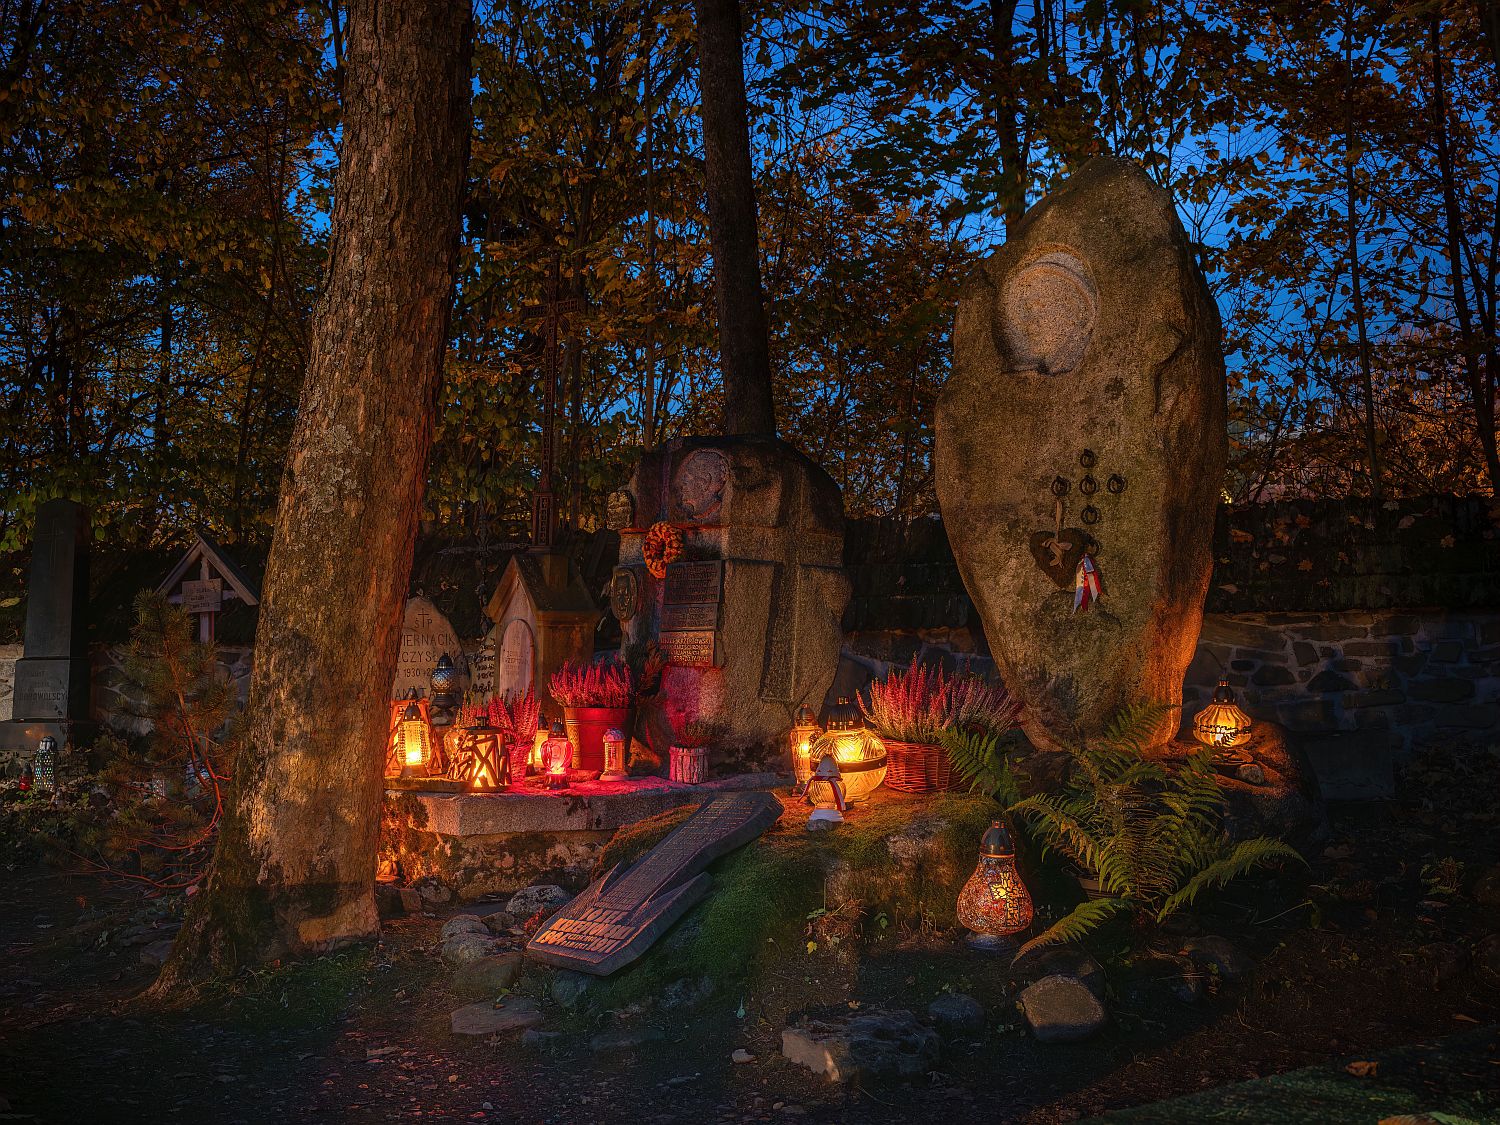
(1059, 561)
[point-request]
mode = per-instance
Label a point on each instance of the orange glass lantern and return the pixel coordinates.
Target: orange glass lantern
(859, 752)
(995, 903)
(805, 731)
(543, 732)
(412, 746)
(1222, 725)
(557, 756)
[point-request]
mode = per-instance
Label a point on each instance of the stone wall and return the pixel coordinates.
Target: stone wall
(9, 654)
(113, 702)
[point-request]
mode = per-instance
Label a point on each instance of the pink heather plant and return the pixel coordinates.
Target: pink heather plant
(517, 716)
(607, 684)
(917, 705)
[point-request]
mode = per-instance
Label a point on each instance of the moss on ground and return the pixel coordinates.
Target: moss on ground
(756, 915)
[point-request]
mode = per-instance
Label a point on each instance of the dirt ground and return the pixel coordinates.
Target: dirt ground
(1380, 942)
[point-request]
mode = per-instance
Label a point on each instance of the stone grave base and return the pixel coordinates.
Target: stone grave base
(489, 843)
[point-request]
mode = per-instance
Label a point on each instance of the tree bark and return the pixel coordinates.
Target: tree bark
(294, 868)
(1480, 387)
(734, 232)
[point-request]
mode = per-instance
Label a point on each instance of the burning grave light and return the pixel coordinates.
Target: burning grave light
(413, 742)
(557, 755)
(995, 903)
(805, 731)
(614, 755)
(859, 752)
(1222, 726)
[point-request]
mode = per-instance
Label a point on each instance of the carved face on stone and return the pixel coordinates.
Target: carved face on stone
(1046, 315)
(699, 483)
(624, 593)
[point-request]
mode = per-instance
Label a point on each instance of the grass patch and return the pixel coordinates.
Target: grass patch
(300, 994)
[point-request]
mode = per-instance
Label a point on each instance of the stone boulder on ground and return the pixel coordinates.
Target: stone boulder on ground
(1088, 373)
(489, 1018)
(466, 948)
(873, 1044)
(1061, 1009)
(542, 896)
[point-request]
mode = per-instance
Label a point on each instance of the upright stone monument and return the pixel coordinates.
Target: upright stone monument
(1080, 451)
(52, 677)
(748, 610)
(425, 636)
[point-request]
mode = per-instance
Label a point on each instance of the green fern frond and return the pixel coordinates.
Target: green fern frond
(1133, 726)
(1084, 919)
(1247, 855)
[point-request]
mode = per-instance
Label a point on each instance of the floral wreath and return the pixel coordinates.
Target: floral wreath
(663, 545)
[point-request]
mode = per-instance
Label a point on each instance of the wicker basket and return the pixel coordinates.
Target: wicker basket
(913, 767)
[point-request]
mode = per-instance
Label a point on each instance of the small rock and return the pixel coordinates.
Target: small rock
(1487, 954)
(624, 1039)
(1251, 773)
(686, 993)
(544, 897)
(569, 987)
(1061, 1009)
(956, 1015)
(1187, 987)
(541, 1040)
(1064, 961)
(741, 1056)
(488, 976)
(1444, 960)
(822, 1048)
(485, 1018)
(1218, 954)
(411, 900)
(871, 1044)
(465, 949)
(433, 891)
(155, 954)
(388, 901)
(464, 924)
(1487, 889)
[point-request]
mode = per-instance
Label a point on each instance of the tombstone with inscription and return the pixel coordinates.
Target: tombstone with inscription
(51, 694)
(619, 916)
(543, 616)
(731, 558)
(425, 636)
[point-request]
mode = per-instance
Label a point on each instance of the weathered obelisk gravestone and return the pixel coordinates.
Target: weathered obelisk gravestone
(52, 676)
(749, 615)
(1080, 451)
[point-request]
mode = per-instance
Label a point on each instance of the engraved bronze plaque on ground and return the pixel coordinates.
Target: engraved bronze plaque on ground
(694, 583)
(618, 917)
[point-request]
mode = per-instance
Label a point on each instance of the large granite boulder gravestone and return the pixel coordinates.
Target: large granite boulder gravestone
(747, 603)
(1080, 451)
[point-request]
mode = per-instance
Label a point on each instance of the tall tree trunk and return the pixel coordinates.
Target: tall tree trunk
(744, 348)
(1480, 387)
(294, 869)
(1351, 217)
(1014, 175)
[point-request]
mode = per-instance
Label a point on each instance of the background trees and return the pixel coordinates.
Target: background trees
(166, 178)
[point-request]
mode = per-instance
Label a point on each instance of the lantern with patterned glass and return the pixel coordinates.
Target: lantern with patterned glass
(1222, 726)
(995, 903)
(557, 756)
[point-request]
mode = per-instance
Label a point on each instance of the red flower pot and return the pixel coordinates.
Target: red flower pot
(586, 728)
